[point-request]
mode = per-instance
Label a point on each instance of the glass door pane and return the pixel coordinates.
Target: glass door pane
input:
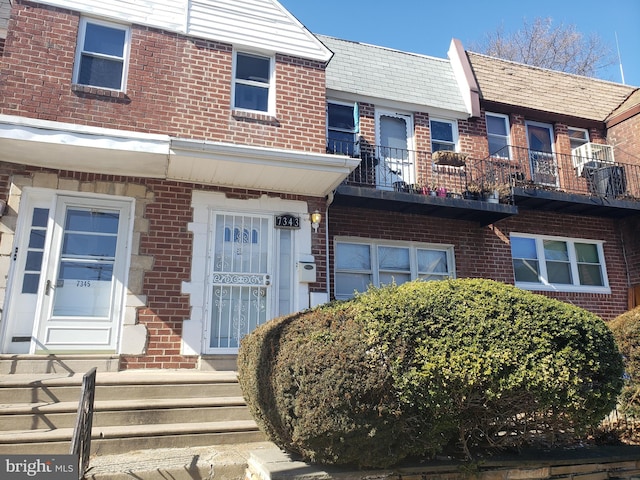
(85, 274)
(395, 168)
(543, 162)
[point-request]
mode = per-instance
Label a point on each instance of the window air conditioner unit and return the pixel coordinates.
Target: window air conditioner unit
(591, 155)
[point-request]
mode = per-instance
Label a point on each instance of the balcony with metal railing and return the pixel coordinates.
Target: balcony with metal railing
(409, 181)
(453, 185)
(586, 182)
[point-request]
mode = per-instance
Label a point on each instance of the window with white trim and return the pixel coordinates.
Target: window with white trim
(577, 137)
(498, 135)
(558, 263)
(444, 135)
(102, 54)
(253, 82)
(363, 262)
(342, 127)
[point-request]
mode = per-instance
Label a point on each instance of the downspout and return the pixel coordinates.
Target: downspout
(330, 198)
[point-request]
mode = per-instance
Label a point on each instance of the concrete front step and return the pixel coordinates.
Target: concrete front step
(145, 409)
(121, 439)
(118, 386)
(124, 412)
(61, 364)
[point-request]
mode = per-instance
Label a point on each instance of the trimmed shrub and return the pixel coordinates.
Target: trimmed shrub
(626, 330)
(315, 390)
(417, 368)
(492, 364)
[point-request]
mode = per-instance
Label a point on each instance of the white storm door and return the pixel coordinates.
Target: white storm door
(28, 253)
(396, 166)
(241, 279)
(83, 288)
(544, 169)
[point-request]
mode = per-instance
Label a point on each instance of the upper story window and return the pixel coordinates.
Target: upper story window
(444, 135)
(252, 83)
(577, 137)
(342, 127)
(102, 54)
(361, 262)
(558, 264)
(498, 135)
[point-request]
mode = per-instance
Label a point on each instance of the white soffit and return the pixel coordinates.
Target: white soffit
(241, 166)
(81, 148)
(76, 147)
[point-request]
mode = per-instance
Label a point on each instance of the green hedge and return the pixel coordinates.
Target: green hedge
(626, 329)
(426, 366)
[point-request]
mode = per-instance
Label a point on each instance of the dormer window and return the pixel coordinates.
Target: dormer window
(444, 135)
(253, 89)
(498, 135)
(102, 55)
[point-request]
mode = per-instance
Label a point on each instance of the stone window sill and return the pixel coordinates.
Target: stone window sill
(255, 116)
(99, 92)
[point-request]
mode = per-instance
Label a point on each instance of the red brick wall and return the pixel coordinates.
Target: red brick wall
(169, 241)
(625, 137)
(176, 86)
(485, 251)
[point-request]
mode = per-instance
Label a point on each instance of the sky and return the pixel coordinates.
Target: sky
(427, 26)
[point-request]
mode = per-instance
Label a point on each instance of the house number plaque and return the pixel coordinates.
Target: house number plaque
(287, 221)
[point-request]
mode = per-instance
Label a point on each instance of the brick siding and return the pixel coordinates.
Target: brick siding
(175, 85)
(485, 251)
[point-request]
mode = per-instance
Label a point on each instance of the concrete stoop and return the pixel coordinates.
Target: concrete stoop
(134, 410)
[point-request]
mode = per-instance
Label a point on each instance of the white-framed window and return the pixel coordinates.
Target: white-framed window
(558, 264)
(578, 137)
(102, 54)
(362, 262)
(342, 127)
(444, 134)
(498, 135)
(253, 78)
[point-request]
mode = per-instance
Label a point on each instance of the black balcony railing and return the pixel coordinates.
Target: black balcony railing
(566, 173)
(411, 171)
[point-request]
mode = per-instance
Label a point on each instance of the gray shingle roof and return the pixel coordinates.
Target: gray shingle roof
(517, 84)
(378, 72)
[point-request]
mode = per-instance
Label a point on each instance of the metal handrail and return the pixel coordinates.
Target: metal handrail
(81, 440)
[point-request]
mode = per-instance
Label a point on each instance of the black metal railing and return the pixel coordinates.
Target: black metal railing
(522, 167)
(412, 171)
(81, 441)
(402, 170)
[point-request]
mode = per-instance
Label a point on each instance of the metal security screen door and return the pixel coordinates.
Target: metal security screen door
(241, 279)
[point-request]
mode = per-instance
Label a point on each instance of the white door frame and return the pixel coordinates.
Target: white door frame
(404, 170)
(539, 176)
(56, 201)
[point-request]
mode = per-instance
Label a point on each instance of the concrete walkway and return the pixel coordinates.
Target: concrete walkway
(218, 462)
(265, 461)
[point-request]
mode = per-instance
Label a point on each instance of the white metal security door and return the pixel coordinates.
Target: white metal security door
(241, 279)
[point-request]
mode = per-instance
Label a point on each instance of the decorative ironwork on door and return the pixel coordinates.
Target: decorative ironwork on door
(240, 278)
